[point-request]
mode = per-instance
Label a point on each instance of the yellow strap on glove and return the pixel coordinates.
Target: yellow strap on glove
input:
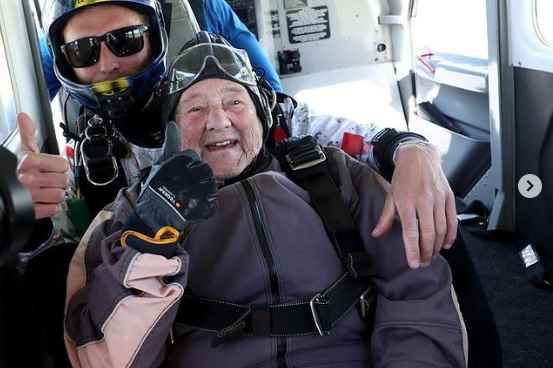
(164, 236)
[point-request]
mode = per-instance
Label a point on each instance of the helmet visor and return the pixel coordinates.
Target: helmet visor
(208, 59)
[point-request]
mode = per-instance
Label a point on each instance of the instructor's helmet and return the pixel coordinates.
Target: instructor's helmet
(209, 55)
(122, 95)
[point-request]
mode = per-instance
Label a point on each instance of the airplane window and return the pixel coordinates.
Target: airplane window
(543, 14)
(7, 103)
(452, 27)
(450, 40)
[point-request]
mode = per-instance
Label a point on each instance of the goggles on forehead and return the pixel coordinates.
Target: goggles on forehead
(122, 42)
(208, 60)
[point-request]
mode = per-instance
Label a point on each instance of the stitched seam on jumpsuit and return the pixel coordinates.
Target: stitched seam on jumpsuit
(462, 325)
(87, 237)
(276, 260)
(268, 234)
(126, 262)
(129, 269)
(108, 319)
(115, 302)
(250, 224)
(450, 326)
(419, 362)
(330, 364)
(133, 355)
(134, 260)
(156, 321)
(178, 266)
(246, 214)
(328, 290)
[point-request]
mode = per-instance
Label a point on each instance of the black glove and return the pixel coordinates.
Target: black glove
(178, 191)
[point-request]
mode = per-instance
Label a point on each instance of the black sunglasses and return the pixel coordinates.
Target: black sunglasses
(122, 42)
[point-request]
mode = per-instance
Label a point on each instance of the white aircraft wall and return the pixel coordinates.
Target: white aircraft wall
(343, 71)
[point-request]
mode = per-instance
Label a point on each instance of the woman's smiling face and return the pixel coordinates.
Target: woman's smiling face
(219, 121)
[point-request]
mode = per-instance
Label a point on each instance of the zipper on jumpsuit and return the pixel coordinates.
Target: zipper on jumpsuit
(261, 232)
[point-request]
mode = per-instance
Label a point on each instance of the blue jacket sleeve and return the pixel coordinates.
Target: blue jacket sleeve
(221, 19)
(52, 81)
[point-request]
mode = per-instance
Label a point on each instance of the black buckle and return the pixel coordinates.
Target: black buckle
(305, 158)
(359, 264)
(300, 152)
(365, 301)
(317, 299)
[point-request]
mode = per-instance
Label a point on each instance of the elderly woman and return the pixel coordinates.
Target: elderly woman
(240, 260)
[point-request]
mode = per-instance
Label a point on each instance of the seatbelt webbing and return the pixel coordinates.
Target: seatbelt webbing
(316, 315)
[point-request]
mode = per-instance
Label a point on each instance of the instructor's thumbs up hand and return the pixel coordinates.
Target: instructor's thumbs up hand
(44, 175)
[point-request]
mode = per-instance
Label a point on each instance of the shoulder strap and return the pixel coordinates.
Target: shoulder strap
(305, 163)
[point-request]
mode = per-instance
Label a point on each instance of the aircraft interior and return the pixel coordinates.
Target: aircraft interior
(474, 77)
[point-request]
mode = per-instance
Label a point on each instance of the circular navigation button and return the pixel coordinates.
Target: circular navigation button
(530, 186)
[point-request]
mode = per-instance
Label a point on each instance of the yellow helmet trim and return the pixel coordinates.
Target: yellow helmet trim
(80, 3)
(108, 88)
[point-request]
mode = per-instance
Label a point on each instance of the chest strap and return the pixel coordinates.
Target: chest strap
(310, 316)
(306, 164)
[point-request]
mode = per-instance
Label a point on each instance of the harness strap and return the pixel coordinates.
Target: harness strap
(306, 164)
(316, 315)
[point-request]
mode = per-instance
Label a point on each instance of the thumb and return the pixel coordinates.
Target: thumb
(27, 129)
(386, 217)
